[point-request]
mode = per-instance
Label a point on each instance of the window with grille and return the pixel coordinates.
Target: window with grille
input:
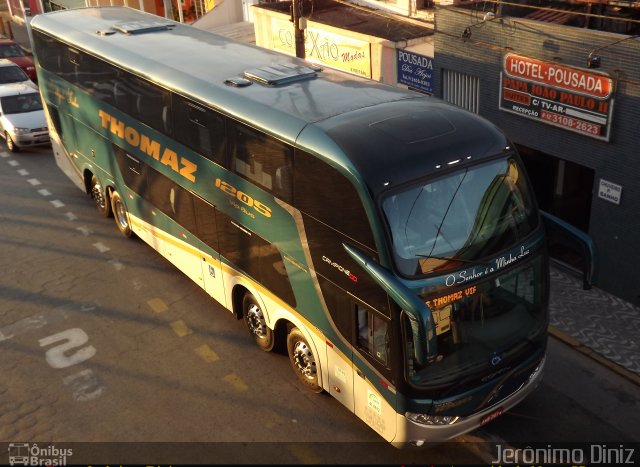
(461, 89)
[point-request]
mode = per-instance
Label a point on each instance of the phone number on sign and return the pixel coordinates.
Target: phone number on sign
(573, 123)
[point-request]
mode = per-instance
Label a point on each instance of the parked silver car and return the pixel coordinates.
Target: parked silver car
(22, 120)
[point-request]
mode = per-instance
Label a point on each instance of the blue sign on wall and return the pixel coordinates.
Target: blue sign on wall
(415, 70)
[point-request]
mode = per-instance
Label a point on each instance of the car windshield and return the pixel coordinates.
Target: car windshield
(10, 50)
(21, 103)
(12, 74)
(460, 217)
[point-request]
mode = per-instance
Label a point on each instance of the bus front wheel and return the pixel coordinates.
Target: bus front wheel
(120, 214)
(302, 360)
(257, 325)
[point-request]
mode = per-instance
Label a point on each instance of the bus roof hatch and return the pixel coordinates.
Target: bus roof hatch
(143, 26)
(284, 73)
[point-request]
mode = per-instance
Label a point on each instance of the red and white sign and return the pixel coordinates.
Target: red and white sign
(559, 76)
(571, 98)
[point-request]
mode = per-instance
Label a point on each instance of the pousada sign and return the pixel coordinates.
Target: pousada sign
(567, 97)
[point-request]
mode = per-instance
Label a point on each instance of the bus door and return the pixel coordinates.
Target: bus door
(339, 351)
(373, 342)
(205, 215)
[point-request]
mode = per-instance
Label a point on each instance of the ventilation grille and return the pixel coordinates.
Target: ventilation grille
(461, 89)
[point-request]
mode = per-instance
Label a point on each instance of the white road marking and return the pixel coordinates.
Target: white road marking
(101, 247)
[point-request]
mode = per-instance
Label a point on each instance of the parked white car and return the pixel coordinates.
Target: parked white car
(22, 120)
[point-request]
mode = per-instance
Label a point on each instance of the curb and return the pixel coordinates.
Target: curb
(571, 342)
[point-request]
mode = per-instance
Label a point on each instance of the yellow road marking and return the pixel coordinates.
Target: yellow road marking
(181, 328)
(235, 381)
(304, 454)
(207, 353)
(157, 305)
(271, 418)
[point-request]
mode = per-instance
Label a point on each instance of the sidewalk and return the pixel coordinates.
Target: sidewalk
(596, 323)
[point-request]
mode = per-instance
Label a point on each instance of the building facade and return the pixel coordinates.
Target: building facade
(566, 95)
(354, 39)
(569, 98)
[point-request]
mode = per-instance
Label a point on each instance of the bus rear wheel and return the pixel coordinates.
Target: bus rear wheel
(100, 197)
(302, 360)
(120, 214)
(257, 325)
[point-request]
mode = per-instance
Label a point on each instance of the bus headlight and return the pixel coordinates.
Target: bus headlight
(424, 419)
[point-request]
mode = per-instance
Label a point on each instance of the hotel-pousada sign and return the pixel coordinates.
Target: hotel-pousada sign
(567, 97)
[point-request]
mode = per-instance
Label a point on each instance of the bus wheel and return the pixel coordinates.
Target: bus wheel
(11, 146)
(302, 360)
(120, 214)
(100, 197)
(256, 323)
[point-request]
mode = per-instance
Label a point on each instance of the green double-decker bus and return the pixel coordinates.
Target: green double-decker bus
(388, 241)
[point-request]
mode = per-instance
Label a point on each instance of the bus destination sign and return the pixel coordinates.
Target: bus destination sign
(571, 98)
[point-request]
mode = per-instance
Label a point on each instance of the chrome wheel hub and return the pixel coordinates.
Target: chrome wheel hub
(121, 215)
(98, 197)
(256, 322)
(303, 358)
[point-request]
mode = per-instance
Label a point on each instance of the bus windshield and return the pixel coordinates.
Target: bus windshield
(488, 326)
(459, 217)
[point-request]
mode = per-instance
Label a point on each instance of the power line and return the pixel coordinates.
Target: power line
(550, 9)
(491, 46)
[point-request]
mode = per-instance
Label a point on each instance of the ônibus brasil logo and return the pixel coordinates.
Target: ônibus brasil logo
(31, 454)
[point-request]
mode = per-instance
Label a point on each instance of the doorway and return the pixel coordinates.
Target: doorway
(564, 189)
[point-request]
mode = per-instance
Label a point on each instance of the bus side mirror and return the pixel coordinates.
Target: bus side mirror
(556, 226)
(423, 327)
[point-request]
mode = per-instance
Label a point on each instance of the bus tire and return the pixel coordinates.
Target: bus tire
(120, 214)
(257, 325)
(302, 360)
(100, 197)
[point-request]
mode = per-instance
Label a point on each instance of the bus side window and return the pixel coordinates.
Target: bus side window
(339, 306)
(263, 160)
(205, 215)
(372, 334)
(147, 102)
(142, 100)
(199, 128)
(324, 193)
(171, 198)
(159, 190)
(255, 256)
(55, 118)
(48, 51)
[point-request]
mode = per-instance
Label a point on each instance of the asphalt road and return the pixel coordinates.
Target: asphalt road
(103, 341)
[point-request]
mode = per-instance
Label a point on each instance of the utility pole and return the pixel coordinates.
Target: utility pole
(299, 25)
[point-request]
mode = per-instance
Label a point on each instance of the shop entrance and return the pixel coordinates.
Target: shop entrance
(563, 189)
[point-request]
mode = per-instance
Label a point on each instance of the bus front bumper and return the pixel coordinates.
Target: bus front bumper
(415, 434)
